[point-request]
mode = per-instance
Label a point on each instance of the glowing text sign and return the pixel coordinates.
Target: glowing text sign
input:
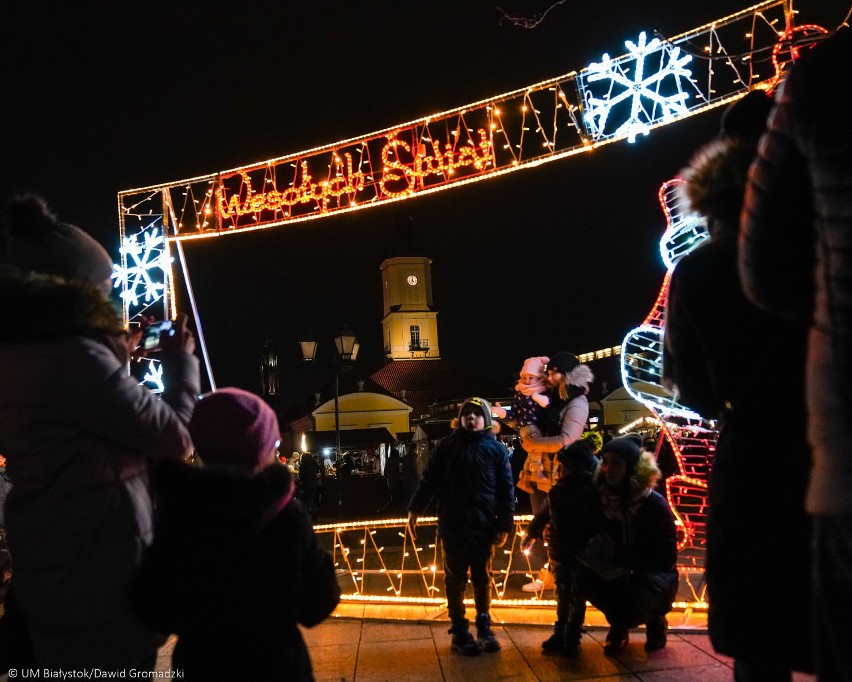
(366, 171)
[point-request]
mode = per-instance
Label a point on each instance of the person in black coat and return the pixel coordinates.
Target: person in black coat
(628, 568)
(235, 567)
(470, 477)
(733, 362)
(565, 523)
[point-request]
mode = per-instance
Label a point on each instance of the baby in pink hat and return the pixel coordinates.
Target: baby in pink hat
(529, 396)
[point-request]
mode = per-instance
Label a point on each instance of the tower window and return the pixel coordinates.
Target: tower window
(415, 336)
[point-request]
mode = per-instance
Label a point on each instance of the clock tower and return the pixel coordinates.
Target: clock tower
(409, 324)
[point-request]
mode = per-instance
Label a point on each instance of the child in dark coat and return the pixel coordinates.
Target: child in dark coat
(235, 566)
(470, 477)
(565, 522)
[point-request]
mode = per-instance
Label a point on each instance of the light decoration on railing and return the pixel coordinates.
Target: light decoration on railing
(381, 563)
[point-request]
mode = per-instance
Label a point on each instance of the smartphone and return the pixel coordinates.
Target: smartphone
(151, 335)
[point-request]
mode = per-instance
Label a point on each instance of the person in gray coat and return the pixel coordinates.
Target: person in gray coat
(796, 261)
(78, 433)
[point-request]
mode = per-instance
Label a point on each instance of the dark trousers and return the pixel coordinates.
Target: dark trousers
(570, 602)
(463, 559)
(632, 600)
(832, 568)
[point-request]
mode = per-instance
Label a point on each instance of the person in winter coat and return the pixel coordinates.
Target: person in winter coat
(78, 433)
(730, 361)
(796, 262)
(561, 423)
(470, 477)
(308, 487)
(565, 523)
(628, 568)
(235, 566)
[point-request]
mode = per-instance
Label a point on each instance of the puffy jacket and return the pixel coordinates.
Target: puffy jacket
(541, 448)
(471, 478)
(796, 249)
(78, 432)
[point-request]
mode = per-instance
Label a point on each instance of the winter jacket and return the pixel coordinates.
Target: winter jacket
(729, 359)
(234, 569)
(637, 535)
(471, 478)
(78, 431)
(565, 521)
(796, 255)
(541, 445)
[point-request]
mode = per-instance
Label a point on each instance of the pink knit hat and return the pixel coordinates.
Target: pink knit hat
(232, 426)
(535, 366)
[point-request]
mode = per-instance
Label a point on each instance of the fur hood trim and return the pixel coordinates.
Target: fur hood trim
(715, 179)
(37, 307)
(644, 477)
(580, 376)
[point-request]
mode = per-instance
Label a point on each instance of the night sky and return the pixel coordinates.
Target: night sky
(106, 96)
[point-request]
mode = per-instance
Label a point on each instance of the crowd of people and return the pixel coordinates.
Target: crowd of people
(117, 537)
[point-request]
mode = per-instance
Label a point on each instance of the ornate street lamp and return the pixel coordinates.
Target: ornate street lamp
(347, 347)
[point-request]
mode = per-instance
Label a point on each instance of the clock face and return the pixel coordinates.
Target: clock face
(412, 280)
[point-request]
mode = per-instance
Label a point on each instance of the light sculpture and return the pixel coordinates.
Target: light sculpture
(656, 83)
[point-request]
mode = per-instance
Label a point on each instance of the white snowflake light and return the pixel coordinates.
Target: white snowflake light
(154, 376)
(145, 269)
(628, 96)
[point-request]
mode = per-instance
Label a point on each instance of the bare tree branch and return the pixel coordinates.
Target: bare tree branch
(527, 22)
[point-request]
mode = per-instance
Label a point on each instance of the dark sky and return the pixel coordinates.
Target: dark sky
(105, 96)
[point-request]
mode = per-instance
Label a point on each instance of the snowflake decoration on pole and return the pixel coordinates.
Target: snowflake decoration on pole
(653, 97)
(135, 278)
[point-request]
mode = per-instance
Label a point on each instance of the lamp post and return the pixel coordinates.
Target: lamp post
(346, 347)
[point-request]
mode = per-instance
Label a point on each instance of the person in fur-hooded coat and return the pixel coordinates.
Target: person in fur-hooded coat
(628, 569)
(561, 423)
(78, 433)
(235, 566)
(732, 362)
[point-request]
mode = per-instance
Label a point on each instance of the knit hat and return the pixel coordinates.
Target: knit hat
(578, 457)
(627, 447)
(38, 242)
(232, 426)
(484, 409)
(535, 366)
(747, 116)
(563, 362)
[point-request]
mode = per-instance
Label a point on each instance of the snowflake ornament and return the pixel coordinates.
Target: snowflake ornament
(629, 96)
(154, 376)
(137, 278)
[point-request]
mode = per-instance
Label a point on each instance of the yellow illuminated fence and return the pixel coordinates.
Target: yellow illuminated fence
(379, 562)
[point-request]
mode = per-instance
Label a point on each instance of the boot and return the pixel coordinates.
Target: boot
(656, 634)
(463, 642)
(556, 641)
(616, 640)
(571, 642)
(486, 637)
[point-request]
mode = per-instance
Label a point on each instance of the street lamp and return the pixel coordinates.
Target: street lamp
(347, 347)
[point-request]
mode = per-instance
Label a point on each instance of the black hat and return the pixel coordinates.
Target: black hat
(484, 409)
(627, 447)
(563, 362)
(747, 116)
(38, 242)
(578, 457)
